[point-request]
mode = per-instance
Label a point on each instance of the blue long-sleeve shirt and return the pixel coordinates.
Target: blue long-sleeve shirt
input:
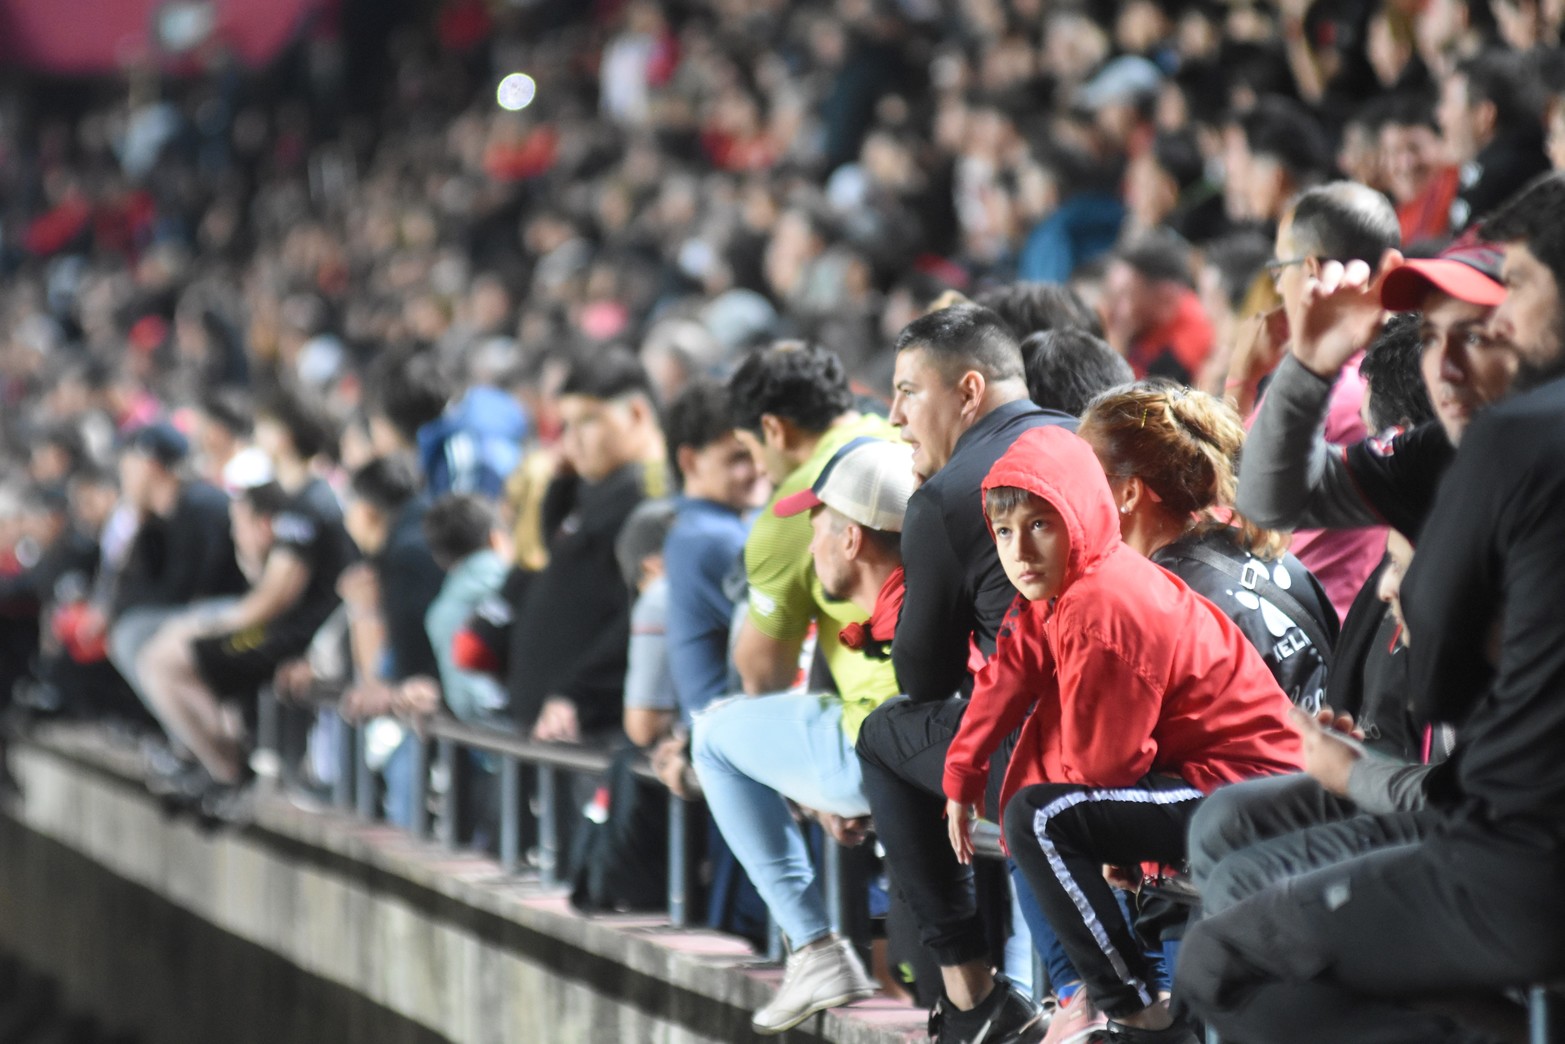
(702, 548)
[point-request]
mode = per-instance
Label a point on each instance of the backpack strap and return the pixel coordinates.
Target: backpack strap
(1255, 577)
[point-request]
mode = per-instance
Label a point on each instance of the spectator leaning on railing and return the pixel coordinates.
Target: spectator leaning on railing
(755, 754)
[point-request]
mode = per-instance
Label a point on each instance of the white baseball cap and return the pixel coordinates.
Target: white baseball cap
(868, 481)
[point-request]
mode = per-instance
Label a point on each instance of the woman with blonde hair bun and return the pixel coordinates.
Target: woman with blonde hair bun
(1172, 459)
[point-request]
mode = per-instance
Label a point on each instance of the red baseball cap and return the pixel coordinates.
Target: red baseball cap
(1467, 270)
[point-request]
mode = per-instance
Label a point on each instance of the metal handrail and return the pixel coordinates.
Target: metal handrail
(353, 791)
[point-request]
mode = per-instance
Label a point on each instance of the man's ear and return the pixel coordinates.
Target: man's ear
(853, 535)
(685, 457)
(774, 430)
(1485, 116)
(971, 386)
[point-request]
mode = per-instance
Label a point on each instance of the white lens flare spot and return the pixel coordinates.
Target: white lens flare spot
(516, 92)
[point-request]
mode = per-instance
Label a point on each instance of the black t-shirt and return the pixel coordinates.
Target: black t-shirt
(572, 624)
(311, 529)
(183, 558)
(1299, 666)
(1398, 473)
(409, 581)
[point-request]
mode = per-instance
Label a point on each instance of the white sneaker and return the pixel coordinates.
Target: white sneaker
(814, 980)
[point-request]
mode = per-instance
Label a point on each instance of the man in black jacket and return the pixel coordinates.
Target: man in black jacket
(961, 400)
(572, 627)
(1469, 898)
(1490, 120)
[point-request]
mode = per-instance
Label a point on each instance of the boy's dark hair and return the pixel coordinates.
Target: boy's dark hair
(410, 391)
(1067, 369)
(608, 374)
(1396, 386)
(304, 416)
(1238, 258)
(231, 410)
(267, 499)
(698, 417)
(386, 484)
(803, 384)
(1286, 131)
(965, 337)
(1159, 257)
(1344, 221)
(1410, 109)
(999, 500)
(91, 474)
(68, 439)
(1508, 81)
(1031, 308)
(458, 525)
(1178, 154)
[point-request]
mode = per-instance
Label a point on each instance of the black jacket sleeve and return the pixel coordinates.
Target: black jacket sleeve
(930, 649)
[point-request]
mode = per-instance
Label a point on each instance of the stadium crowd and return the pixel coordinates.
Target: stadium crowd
(1135, 424)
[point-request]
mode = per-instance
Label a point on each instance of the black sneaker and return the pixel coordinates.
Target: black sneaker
(1004, 1017)
(1179, 1033)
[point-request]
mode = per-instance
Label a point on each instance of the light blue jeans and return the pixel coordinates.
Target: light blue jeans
(754, 754)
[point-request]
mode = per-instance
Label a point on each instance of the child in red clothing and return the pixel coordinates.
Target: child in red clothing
(1143, 697)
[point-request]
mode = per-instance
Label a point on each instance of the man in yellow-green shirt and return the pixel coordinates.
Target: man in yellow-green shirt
(793, 407)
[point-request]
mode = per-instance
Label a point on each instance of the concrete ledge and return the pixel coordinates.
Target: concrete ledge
(444, 940)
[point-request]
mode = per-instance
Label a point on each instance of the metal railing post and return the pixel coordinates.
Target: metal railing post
(1541, 1017)
(419, 783)
(774, 939)
(342, 779)
(548, 828)
(832, 858)
(363, 778)
(510, 814)
(677, 870)
(446, 754)
(1212, 1037)
(267, 759)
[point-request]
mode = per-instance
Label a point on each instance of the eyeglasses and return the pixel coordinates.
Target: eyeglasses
(1275, 266)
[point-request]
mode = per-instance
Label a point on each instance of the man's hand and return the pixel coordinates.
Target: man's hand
(847, 831)
(671, 764)
(359, 587)
(366, 700)
(1339, 314)
(292, 680)
(1258, 344)
(959, 822)
(557, 722)
(1329, 750)
(417, 698)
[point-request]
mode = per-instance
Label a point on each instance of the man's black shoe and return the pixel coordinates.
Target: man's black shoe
(1004, 1017)
(1179, 1033)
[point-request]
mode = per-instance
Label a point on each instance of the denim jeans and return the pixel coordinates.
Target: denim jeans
(1064, 980)
(752, 756)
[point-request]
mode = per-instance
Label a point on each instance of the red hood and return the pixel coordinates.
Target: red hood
(1060, 467)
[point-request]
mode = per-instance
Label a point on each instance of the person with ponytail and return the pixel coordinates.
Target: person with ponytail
(1172, 459)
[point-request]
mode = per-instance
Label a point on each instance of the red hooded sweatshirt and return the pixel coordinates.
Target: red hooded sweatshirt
(1127, 672)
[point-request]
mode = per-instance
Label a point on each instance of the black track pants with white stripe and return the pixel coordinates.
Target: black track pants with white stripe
(1061, 835)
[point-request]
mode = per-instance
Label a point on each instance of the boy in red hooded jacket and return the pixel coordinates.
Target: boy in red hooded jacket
(1144, 698)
